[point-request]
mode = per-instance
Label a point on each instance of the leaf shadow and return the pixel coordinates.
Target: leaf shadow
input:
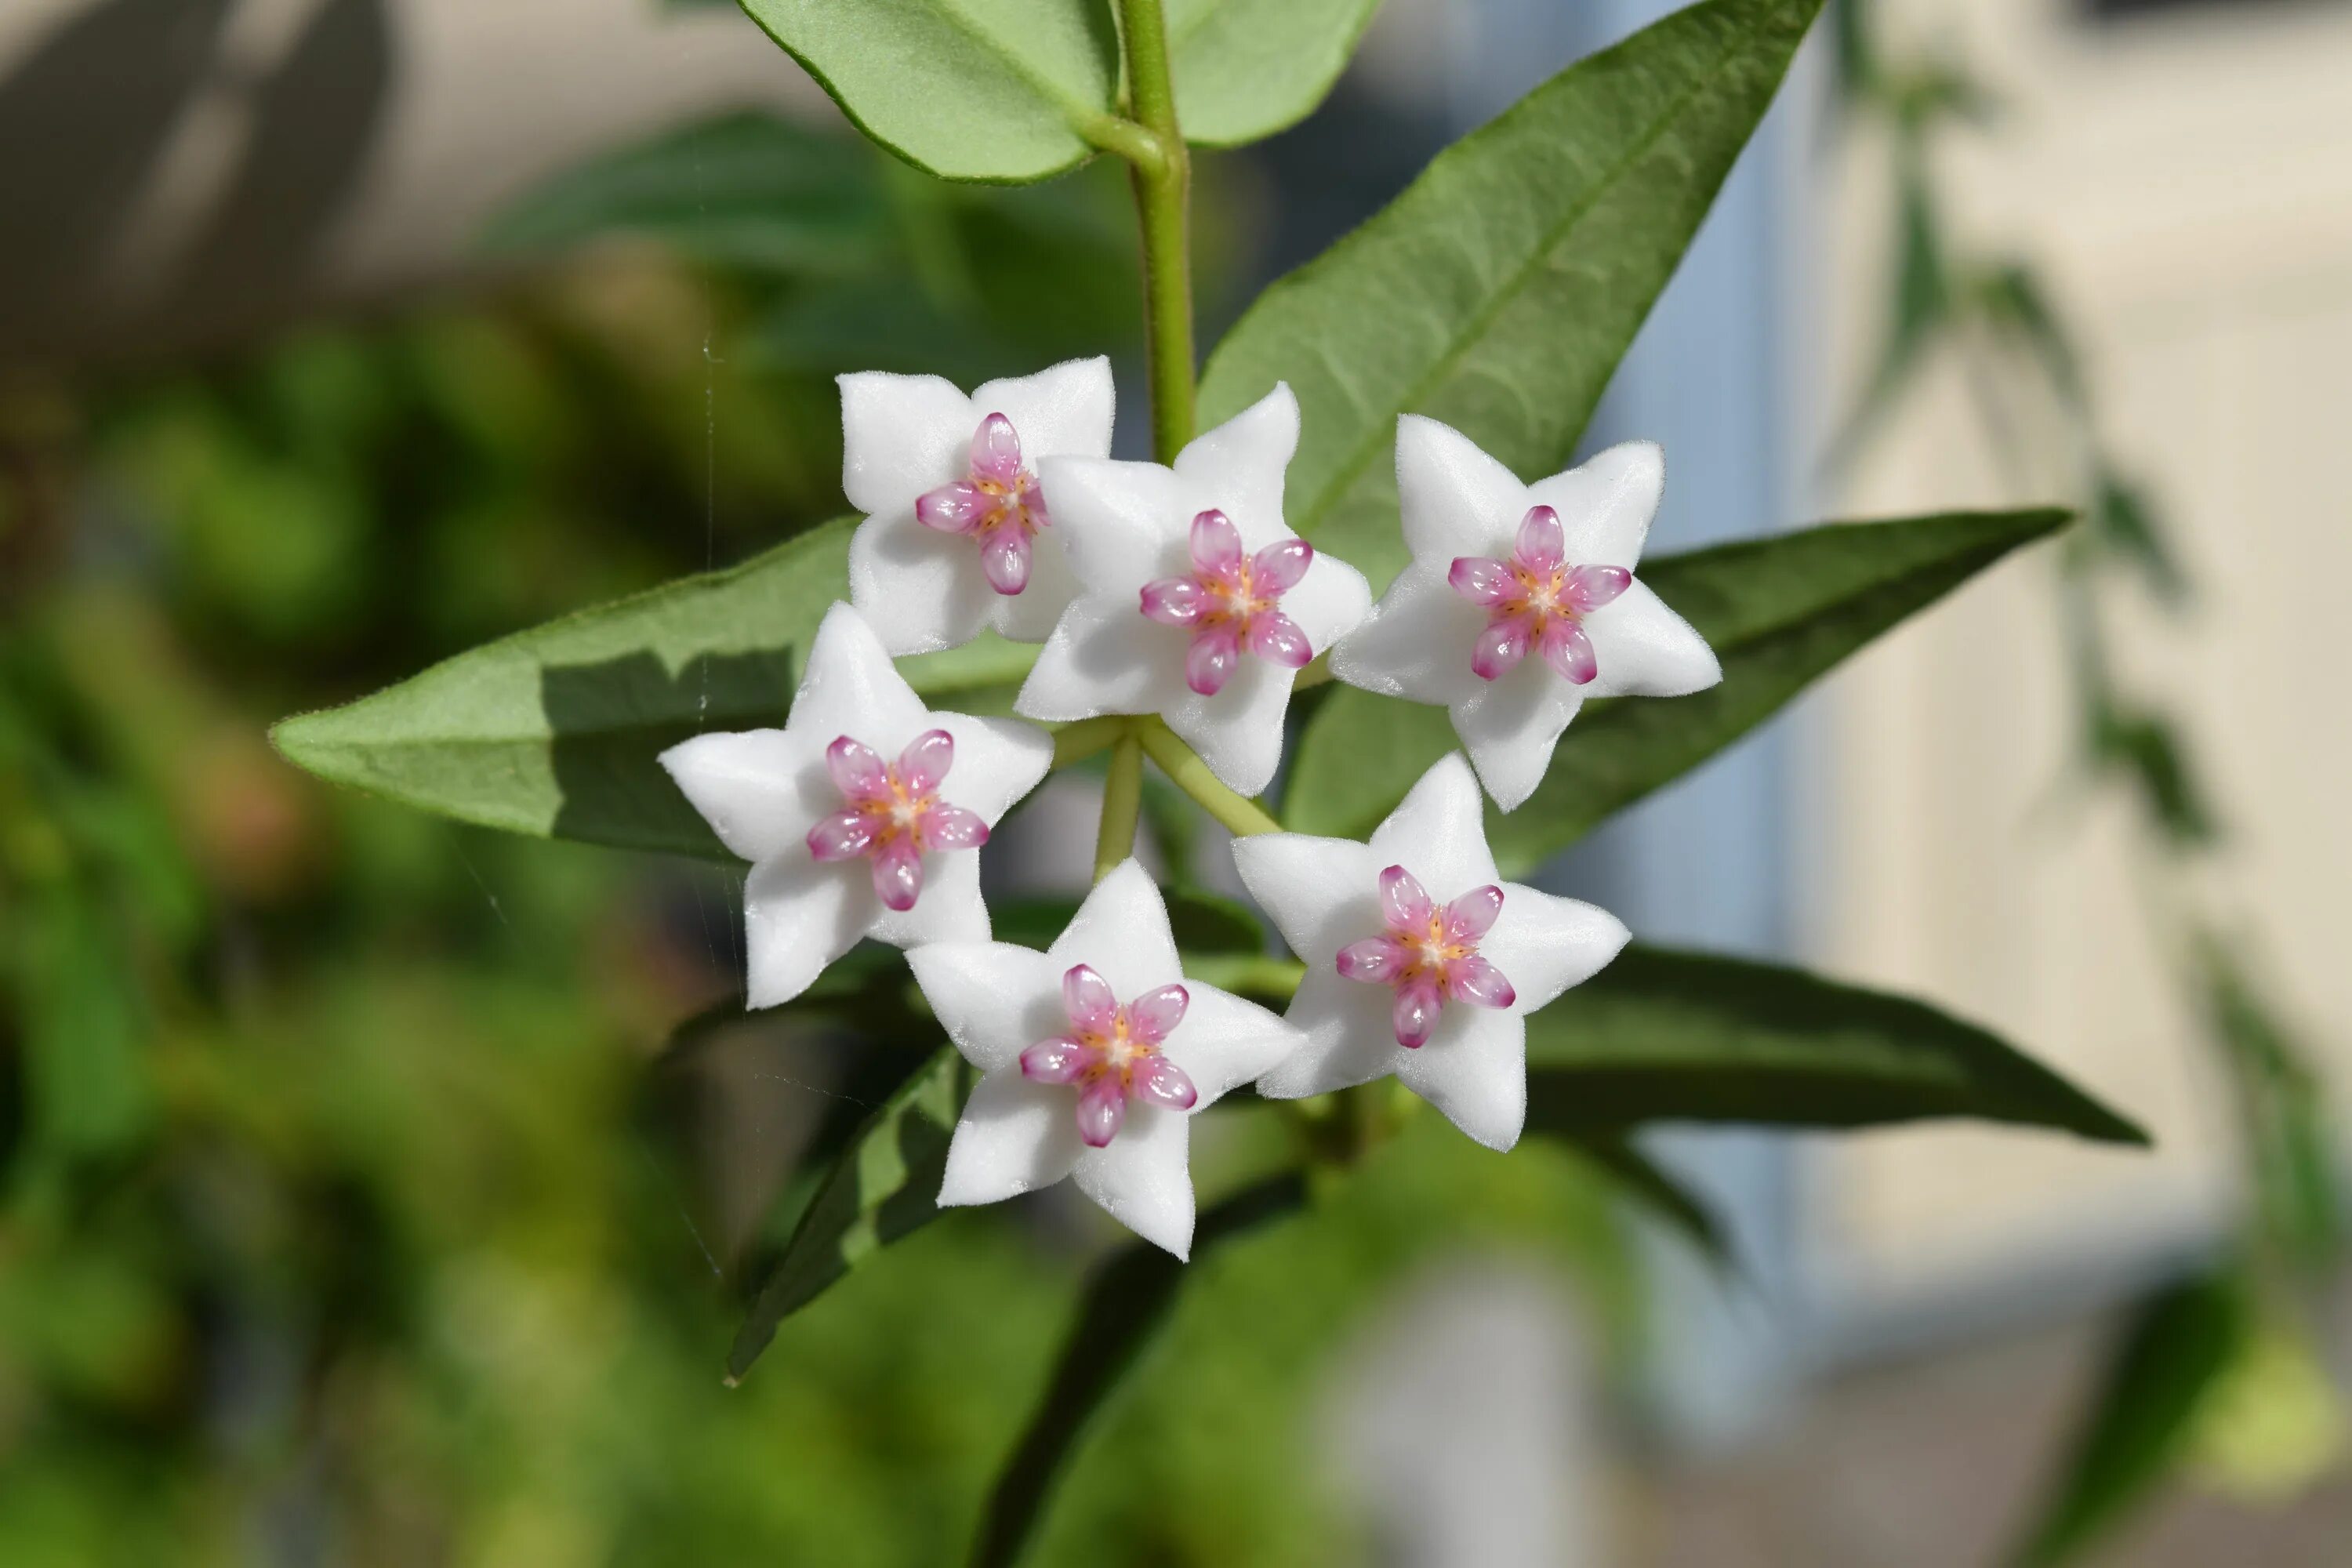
(610, 722)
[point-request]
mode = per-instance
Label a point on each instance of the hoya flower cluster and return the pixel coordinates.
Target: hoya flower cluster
(1179, 591)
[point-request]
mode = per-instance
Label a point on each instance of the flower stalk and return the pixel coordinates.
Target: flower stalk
(1122, 804)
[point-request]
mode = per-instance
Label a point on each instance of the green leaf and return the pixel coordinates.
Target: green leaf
(1126, 1302)
(969, 89)
(1247, 68)
(1498, 292)
(1203, 922)
(1650, 1185)
(2184, 1337)
(555, 731)
(1661, 1035)
(747, 190)
(885, 1184)
(1777, 612)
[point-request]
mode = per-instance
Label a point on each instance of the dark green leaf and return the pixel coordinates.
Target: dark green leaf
(1246, 69)
(2123, 525)
(1203, 922)
(2143, 746)
(1126, 1302)
(2183, 1340)
(2282, 1109)
(1650, 1185)
(1662, 1035)
(1500, 290)
(1778, 612)
(2011, 297)
(970, 89)
(747, 190)
(555, 731)
(885, 1184)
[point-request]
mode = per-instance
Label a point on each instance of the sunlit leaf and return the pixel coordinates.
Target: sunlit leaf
(2143, 1415)
(883, 1185)
(555, 731)
(1246, 69)
(1126, 1303)
(1662, 1035)
(970, 89)
(1500, 290)
(1778, 612)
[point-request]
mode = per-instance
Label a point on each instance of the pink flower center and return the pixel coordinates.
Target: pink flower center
(1428, 955)
(894, 814)
(1536, 599)
(996, 504)
(1231, 602)
(1112, 1053)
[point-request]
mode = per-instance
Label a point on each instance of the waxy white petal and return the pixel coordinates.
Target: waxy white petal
(1121, 932)
(798, 917)
(996, 1001)
(1474, 1071)
(1606, 502)
(1511, 728)
(1130, 524)
(1061, 410)
(1014, 1137)
(850, 687)
(1142, 1178)
(1226, 1042)
(762, 790)
(1438, 832)
(1238, 468)
(900, 435)
(1322, 894)
(1414, 643)
(1545, 943)
(1647, 650)
(903, 436)
(759, 789)
(1417, 643)
(1455, 499)
(927, 585)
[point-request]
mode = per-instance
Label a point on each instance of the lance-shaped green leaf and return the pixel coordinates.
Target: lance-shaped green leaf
(1655, 1189)
(1247, 68)
(746, 190)
(1126, 1302)
(2145, 1414)
(1662, 1035)
(970, 89)
(1499, 291)
(556, 730)
(883, 1185)
(1777, 612)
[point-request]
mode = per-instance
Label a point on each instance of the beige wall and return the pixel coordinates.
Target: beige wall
(2185, 185)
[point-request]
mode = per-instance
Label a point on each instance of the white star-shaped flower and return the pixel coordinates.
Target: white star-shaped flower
(1196, 600)
(1420, 960)
(957, 536)
(862, 817)
(1095, 1055)
(1521, 601)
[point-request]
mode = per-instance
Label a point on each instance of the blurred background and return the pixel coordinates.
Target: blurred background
(356, 1206)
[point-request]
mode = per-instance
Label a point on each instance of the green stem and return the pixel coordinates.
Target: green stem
(1186, 770)
(1122, 804)
(1076, 742)
(1163, 187)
